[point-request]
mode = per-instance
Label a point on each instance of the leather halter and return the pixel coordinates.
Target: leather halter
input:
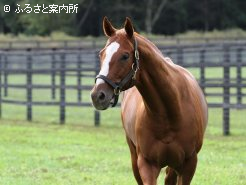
(118, 86)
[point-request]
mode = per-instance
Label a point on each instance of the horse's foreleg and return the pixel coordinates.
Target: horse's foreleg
(171, 177)
(148, 171)
(187, 171)
(134, 159)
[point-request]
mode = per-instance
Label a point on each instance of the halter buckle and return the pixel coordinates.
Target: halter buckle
(136, 55)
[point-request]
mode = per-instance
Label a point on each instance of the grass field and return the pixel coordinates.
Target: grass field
(44, 152)
(40, 153)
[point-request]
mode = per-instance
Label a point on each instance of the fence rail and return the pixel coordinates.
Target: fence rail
(220, 69)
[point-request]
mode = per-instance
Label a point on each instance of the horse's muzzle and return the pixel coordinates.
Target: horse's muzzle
(101, 97)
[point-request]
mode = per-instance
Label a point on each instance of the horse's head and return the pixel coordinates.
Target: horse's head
(119, 64)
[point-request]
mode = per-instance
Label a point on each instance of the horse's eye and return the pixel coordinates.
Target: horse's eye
(125, 56)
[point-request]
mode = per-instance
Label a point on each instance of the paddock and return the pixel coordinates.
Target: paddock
(59, 79)
(41, 88)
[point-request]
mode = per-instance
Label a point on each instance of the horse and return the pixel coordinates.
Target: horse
(163, 109)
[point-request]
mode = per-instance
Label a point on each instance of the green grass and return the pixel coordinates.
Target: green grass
(44, 152)
(40, 153)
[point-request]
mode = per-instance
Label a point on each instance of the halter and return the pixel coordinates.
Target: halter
(118, 86)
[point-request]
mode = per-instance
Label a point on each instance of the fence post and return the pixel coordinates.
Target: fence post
(38, 44)
(169, 54)
(1, 86)
(79, 78)
(29, 86)
(62, 89)
(226, 95)
(239, 77)
(10, 45)
(94, 44)
(5, 73)
(97, 118)
(65, 44)
(53, 75)
(202, 70)
(96, 112)
(180, 55)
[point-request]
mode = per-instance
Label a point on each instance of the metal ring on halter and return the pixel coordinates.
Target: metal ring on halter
(136, 55)
(117, 91)
(135, 69)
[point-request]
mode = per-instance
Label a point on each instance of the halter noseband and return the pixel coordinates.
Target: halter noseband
(118, 86)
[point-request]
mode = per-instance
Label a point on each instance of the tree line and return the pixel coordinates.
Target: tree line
(151, 16)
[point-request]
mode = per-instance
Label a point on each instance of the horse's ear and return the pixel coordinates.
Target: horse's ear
(108, 29)
(129, 27)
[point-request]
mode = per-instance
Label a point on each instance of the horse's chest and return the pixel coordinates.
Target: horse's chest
(160, 147)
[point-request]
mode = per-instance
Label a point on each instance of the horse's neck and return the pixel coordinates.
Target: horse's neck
(157, 81)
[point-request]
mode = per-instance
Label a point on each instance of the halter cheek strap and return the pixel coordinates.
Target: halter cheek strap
(118, 86)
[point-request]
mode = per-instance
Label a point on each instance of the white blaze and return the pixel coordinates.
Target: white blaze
(110, 50)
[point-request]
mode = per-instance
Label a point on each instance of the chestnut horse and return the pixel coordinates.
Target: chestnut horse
(164, 112)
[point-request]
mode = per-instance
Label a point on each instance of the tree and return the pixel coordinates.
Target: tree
(84, 17)
(9, 21)
(152, 17)
(44, 23)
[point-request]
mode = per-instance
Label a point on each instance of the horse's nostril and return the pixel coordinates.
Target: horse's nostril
(101, 96)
